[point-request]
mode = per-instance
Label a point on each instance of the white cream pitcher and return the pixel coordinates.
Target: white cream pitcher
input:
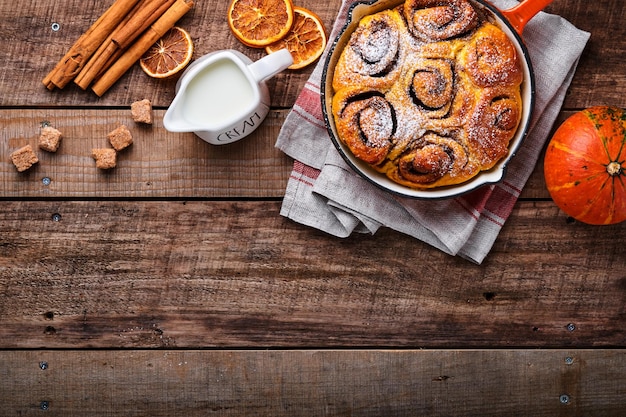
(222, 97)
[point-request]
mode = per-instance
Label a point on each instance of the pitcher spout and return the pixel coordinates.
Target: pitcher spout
(174, 120)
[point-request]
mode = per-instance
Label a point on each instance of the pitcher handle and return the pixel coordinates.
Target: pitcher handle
(521, 14)
(270, 65)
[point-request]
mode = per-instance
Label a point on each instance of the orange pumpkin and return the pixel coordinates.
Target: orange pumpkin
(585, 166)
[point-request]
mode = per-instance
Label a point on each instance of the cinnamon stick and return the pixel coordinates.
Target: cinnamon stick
(140, 22)
(141, 17)
(141, 45)
(76, 57)
(88, 67)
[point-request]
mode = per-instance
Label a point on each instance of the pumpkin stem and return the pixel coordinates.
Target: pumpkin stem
(614, 169)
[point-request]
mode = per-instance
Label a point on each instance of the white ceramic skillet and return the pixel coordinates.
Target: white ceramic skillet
(511, 21)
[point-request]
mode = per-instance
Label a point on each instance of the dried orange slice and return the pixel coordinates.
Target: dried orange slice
(168, 55)
(258, 23)
(306, 40)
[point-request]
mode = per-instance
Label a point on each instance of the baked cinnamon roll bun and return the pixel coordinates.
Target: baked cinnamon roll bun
(433, 97)
(433, 161)
(494, 122)
(366, 122)
(371, 57)
(436, 20)
(490, 58)
(430, 85)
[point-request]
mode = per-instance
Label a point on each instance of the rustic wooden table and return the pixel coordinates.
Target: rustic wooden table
(172, 286)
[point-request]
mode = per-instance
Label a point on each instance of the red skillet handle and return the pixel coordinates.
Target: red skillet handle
(519, 15)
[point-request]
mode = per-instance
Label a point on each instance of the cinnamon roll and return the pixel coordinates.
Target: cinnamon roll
(436, 20)
(373, 52)
(494, 122)
(490, 58)
(366, 122)
(430, 85)
(433, 161)
(433, 97)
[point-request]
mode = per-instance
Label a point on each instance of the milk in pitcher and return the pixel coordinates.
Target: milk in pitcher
(218, 94)
(222, 97)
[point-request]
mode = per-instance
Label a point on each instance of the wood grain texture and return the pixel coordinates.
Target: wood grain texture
(235, 274)
(172, 286)
(27, 33)
(444, 383)
(599, 79)
(32, 49)
(157, 164)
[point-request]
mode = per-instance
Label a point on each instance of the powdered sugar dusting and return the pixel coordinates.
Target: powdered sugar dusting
(454, 103)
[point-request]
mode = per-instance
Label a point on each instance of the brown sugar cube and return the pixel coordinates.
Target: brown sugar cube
(106, 158)
(50, 139)
(120, 138)
(24, 158)
(142, 111)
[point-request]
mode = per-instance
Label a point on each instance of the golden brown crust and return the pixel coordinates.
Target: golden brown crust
(437, 161)
(365, 121)
(493, 123)
(446, 104)
(435, 20)
(371, 57)
(490, 58)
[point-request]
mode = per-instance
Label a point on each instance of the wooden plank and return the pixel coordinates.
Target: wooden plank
(313, 383)
(152, 270)
(158, 164)
(195, 274)
(599, 79)
(27, 33)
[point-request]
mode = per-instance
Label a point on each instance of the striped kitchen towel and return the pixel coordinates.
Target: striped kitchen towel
(325, 193)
